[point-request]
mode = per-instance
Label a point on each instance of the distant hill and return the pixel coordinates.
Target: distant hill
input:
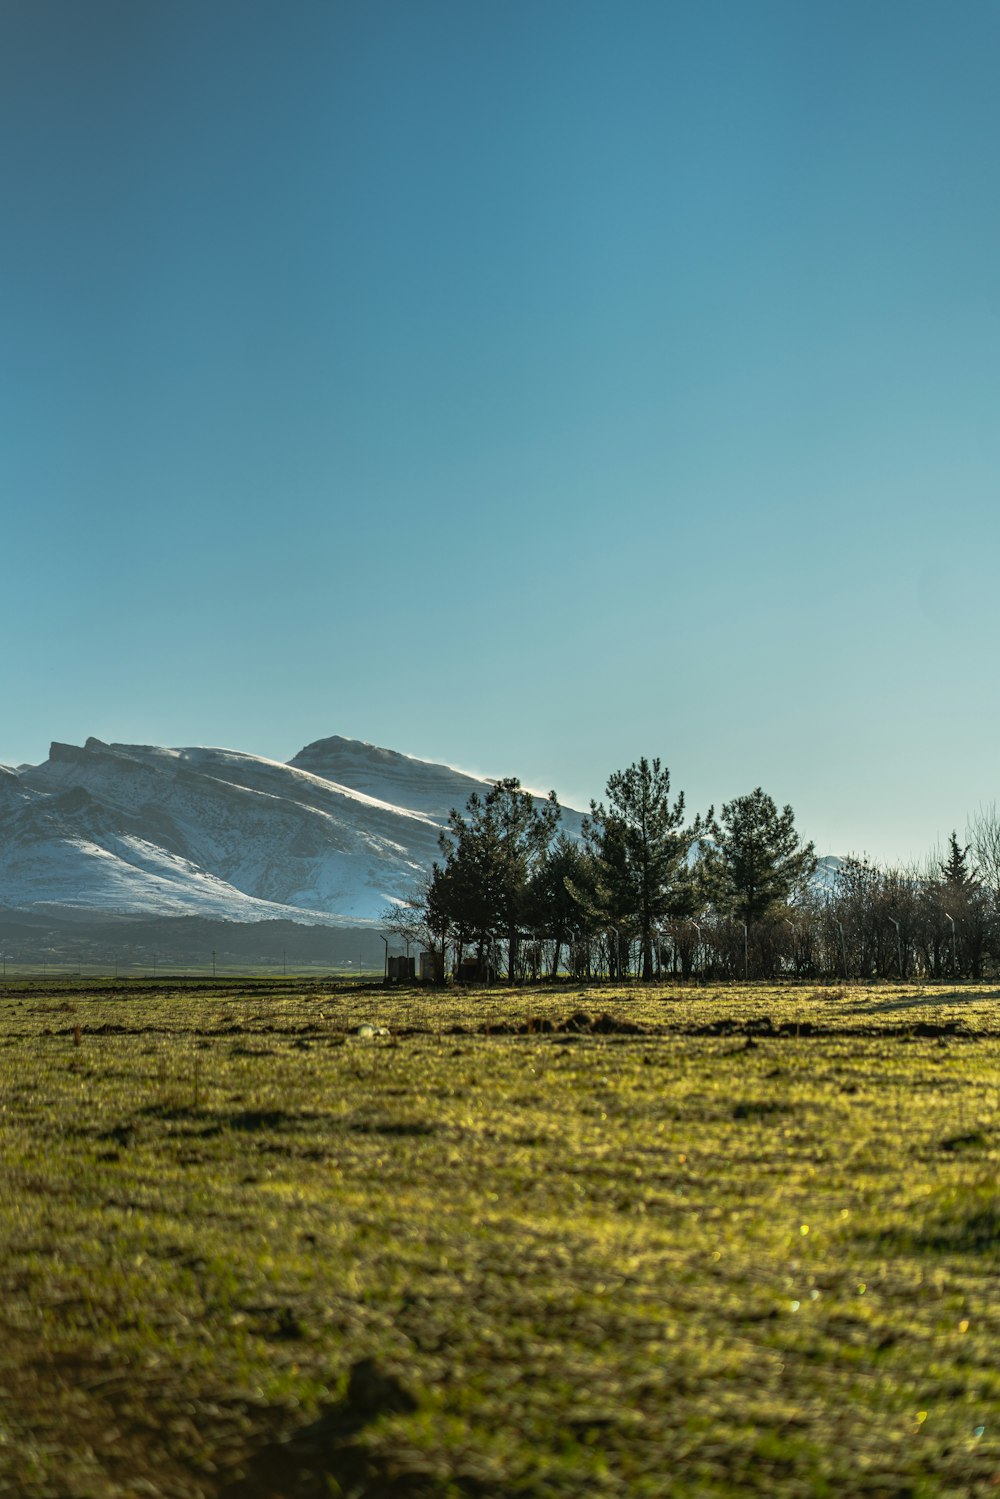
(136, 830)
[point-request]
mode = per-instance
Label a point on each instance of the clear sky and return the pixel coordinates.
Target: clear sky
(526, 384)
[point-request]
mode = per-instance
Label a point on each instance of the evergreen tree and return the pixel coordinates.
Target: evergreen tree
(967, 907)
(491, 851)
(755, 859)
(562, 898)
(955, 871)
(642, 844)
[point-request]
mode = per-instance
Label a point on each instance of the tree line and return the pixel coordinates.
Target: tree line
(646, 892)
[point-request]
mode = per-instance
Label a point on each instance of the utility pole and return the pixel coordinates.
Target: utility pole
(954, 948)
(791, 928)
(697, 927)
(899, 947)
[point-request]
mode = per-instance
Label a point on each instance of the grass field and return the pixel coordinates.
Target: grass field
(283, 1239)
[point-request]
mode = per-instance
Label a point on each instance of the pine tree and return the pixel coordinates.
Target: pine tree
(491, 851)
(955, 869)
(642, 844)
(756, 858)
(562, 898)
(962, 902)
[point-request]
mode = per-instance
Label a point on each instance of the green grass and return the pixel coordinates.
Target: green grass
(735, 1242)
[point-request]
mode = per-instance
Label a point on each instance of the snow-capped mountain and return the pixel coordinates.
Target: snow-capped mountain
(332, 837)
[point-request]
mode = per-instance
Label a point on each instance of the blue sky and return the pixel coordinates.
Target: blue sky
(530, 386)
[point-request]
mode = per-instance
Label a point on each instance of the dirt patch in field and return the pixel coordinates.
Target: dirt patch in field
(580, 1023)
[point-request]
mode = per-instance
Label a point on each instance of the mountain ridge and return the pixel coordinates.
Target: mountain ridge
(331, 837)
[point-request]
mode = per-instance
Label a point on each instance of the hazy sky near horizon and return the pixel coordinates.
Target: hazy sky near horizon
(530, 386)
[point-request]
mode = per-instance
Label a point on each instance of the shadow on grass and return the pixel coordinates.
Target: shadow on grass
(323, 1458)
(965, 1222)
(917, 1001)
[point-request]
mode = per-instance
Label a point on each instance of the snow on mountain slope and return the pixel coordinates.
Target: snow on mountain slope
(419, 785)
(333, 836)
(134, 877)
(389, 776)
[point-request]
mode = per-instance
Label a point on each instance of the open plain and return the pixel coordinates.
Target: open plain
(292, 1238)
